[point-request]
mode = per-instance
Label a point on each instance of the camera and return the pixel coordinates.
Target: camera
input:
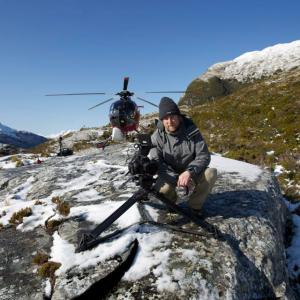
(141, 167)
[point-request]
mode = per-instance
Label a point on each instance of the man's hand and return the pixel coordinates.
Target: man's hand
(184, 178)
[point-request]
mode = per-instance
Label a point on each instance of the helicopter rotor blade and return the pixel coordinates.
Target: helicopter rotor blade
(76, 94)
(147, 101)
(167, 92)
(101, 103)
(125, 85)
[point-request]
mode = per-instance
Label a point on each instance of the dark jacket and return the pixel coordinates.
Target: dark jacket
(181, 151)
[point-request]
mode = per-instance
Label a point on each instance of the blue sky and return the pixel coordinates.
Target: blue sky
(89, 46)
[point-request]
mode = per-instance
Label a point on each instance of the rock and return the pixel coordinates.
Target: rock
(240, 253)
(17, 272)
(246, 261)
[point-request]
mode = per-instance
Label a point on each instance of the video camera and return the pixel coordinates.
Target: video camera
(141, 167)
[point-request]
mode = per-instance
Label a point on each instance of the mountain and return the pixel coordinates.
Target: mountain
(249, 109)
(224, 78)
(21, 139)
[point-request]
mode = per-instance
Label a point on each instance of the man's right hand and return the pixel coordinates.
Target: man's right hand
(184, 178)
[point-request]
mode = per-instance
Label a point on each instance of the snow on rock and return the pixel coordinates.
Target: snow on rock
(255, 64)
(227, 165)
(245, 260)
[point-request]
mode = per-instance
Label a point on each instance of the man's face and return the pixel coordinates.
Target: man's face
(171, 122)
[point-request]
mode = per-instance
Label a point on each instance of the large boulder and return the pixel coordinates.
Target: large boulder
(239, 253)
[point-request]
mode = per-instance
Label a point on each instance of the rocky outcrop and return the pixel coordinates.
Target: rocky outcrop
(226, 77)
(239, 254)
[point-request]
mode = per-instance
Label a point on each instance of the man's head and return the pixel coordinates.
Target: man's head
(170, 114)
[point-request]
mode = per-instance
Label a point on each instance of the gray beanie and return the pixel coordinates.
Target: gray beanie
(168, 107)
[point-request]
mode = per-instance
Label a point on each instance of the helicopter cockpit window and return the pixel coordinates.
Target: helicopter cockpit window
(123, 113)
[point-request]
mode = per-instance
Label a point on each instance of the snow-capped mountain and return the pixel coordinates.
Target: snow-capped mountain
(279, 63)
(256, 64)
(22, 139)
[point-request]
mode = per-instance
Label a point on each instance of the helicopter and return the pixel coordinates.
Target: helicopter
(124, 114)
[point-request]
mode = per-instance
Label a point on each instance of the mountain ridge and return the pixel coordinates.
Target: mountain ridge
(224, 78)
(19, 138)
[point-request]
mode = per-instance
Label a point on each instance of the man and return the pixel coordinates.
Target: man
(182, 155)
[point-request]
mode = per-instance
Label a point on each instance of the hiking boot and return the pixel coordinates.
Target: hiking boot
(196, 211)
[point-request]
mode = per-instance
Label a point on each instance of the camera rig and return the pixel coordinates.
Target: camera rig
(142, 171)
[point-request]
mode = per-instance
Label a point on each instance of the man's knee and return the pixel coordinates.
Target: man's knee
(166, 189)
(211, 175)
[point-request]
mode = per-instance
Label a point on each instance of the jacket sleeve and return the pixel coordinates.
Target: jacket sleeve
(156, 154)
(202, 156)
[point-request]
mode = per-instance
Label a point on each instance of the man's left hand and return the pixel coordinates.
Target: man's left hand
(184, 178)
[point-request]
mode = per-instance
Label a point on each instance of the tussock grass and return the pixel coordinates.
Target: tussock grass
(48, 269)
(17, 160)
(63, 207)
(40, 258)
(17, 217)
(52, 225)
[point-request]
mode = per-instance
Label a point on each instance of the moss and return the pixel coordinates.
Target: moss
(48, 269)
(40, 258)
(17, 217)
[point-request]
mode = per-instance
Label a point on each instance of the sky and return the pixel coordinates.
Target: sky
(70, 46)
